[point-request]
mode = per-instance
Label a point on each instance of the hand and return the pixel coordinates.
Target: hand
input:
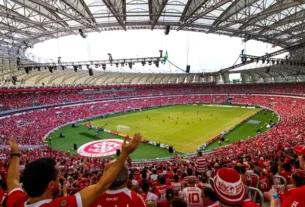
(64, 186)
(14, 146)
(271, 195)
(128, 148)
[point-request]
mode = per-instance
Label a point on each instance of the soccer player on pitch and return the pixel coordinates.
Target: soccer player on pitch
(41, 180)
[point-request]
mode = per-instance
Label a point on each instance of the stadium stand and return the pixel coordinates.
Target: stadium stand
(38, 95)
(16, 100)
(259, 155)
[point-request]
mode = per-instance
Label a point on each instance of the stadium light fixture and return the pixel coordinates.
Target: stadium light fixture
(104, 66)
(243, 59)
(82, 34)
(110, 57)
(157, 64)
(161, 53)
(50, 69)
(75, 68)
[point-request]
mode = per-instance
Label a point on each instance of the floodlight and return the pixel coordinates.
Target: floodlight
(104, 66)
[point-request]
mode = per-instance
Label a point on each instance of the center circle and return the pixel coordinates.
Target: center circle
(100, 148)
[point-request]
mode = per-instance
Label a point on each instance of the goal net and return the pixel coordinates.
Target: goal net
(123, 129)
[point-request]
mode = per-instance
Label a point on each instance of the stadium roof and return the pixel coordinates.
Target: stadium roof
(27, 22)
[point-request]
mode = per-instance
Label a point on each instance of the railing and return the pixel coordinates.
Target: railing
(278, 180)
(255, 192)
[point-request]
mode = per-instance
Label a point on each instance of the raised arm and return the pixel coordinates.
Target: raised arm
(91, 193)
(14, 170)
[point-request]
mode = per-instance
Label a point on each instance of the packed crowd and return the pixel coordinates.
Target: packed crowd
(161, 183)
(23, 100)
(30, 127)
(202, 182)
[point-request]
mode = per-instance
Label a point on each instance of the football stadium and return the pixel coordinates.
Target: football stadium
(164, 103)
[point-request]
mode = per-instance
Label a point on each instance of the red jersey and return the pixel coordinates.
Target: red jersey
(160, 190)
(170, 174)
(201, 164)
(296, 198)
(164, 203)
(264, 184)
(216, 204)
(286, 194)
(136, 175)
(3, 195)
(168, 182)
(119, 198)
(300, 172)
(156, 183)
(249, 203)
(254, 181)
(287, 176)
(141, 181)
(176, 186)
(17, 198)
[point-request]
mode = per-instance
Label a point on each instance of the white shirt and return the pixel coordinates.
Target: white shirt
(154, 177)
(192, 196)
(152, 197)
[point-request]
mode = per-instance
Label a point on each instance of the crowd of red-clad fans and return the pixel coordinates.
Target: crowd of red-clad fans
(179, 181)
(15, 101)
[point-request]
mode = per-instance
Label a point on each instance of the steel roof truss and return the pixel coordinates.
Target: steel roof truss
(266, 12)
(58, 7)
(81, 8)
(118, 9)
(156, 8)
(233, 9)
(42, 11)
(206, 8)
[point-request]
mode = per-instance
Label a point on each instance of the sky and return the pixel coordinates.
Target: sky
(203, 52)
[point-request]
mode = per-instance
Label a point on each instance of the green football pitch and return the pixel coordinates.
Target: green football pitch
(185, 127)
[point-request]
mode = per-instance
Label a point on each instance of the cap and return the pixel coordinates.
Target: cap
(229, 187)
